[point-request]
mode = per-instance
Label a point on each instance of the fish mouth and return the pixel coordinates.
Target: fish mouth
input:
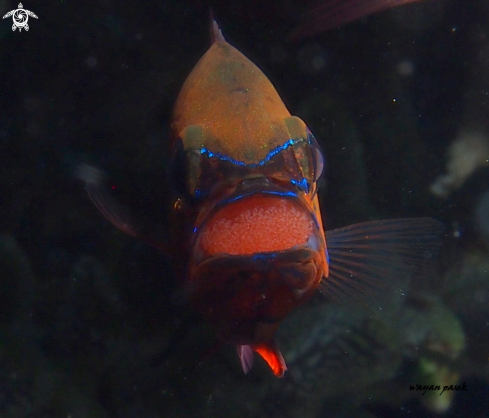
(257, 217)
(257, 255)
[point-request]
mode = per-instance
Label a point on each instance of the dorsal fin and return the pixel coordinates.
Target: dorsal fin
(216, 34)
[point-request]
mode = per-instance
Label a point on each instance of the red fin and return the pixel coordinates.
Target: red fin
(328, 14)
(273, 357)
(376, 254)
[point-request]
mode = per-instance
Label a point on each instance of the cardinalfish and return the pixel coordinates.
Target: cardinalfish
(247, 226)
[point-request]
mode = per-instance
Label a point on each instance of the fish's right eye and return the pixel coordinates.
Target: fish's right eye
(178, 170)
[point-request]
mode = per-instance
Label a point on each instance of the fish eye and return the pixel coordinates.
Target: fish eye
(178, 170)
(184, 173)
(317, 156)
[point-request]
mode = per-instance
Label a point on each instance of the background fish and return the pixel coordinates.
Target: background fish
(327, 14)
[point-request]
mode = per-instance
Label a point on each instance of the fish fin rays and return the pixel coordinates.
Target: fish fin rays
(327, 14)
(273, 357)
(119, 216)
(216, 33)
(369, 257)
(246, 357)
(267, 351)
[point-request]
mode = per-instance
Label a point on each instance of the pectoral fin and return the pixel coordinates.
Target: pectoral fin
(116, 214)
(376, 256)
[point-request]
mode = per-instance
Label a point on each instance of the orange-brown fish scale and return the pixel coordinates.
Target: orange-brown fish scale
(257, 224)
(241, 113)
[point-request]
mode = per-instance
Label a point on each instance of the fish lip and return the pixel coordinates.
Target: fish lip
(264, 263)
(262, 260)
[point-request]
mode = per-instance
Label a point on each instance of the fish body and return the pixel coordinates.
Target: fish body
(258, 248)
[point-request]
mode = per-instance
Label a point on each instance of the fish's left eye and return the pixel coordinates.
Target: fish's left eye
(317, 156)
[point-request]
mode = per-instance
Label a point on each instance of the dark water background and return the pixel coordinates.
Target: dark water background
(90, 324)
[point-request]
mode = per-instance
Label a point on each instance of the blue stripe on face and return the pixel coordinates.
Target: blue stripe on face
(269, 192)
(301, 185)
(270, 155)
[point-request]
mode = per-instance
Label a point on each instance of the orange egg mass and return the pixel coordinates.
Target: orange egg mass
(258, 223)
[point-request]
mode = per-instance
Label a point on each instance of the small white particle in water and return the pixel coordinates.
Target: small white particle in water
(91, 61)
(318, 63)
(405, 68)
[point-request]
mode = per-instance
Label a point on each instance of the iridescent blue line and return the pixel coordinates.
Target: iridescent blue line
(270, 155)
(302, 185)
(272, 192)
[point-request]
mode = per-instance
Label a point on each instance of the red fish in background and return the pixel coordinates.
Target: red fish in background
(327, 14)
(247, 232)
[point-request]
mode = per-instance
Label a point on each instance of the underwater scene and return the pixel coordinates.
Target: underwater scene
(244, 208)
